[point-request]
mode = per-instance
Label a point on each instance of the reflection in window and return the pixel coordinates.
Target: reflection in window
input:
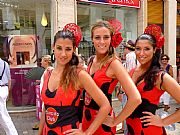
(27, 18)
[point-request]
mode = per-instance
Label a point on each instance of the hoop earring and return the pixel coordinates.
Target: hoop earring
(111, 50)
(53, 57)
(74, 60)
(93, 50)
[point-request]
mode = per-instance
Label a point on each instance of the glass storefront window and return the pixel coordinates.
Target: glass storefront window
(88, 14)
(23, 40)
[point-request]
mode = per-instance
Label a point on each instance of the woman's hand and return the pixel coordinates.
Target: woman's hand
(74, 132)
(109, 121)
(151, 119)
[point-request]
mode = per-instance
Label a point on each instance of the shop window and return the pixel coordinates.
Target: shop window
(27, 18)
(88, 14)
(23, 17)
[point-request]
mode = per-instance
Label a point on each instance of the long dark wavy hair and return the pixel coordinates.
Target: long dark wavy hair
(151, 73)
(69, 75)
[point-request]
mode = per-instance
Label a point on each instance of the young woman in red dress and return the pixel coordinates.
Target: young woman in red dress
(152, 82)
(106, 70)
(63, 86)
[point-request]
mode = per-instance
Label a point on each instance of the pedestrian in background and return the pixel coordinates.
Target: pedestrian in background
(165, 98)
(47, 64)
(129, 52)
(62, 88)
(106, 70)
(130, 63)
(5, 85)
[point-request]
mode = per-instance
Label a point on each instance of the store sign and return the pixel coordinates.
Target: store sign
(127, 3)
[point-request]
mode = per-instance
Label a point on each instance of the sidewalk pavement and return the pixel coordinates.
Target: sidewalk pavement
(24, 121)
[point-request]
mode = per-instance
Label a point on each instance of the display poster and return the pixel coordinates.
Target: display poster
(22, 50)
(127, 3)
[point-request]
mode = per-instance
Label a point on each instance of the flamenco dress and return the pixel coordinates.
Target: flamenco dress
(150, 101)
(107, 85)
(61, 108)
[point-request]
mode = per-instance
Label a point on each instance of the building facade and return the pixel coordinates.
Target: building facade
(43, 18)
(162, 12)
(25, 35)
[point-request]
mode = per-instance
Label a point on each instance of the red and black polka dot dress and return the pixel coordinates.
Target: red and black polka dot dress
(150, 100)
(61, 109)
(107, 85)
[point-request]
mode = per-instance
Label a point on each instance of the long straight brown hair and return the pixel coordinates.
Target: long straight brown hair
(69, 77)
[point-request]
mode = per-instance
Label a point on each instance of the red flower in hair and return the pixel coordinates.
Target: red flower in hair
(160, 42)
(116, 24)
(155, 31)
(117, 37)
(76, 30)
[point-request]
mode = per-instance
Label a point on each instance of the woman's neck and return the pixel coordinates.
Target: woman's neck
(59, 68)
(144, 67)
(99, 57)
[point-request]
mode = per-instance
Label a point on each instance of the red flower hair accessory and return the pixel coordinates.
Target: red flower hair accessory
(155, 31)
(76, 30)
(117, 37)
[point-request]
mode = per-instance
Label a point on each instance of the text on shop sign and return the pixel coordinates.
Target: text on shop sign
(127, 3)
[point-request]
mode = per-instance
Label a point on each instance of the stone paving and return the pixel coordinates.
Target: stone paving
(24, 121)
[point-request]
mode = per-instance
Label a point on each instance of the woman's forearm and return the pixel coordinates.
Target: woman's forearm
(173, 118)
(127, 110)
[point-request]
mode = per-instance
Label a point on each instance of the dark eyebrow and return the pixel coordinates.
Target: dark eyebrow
(58, 45)
(69, 47)
(107, 36)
